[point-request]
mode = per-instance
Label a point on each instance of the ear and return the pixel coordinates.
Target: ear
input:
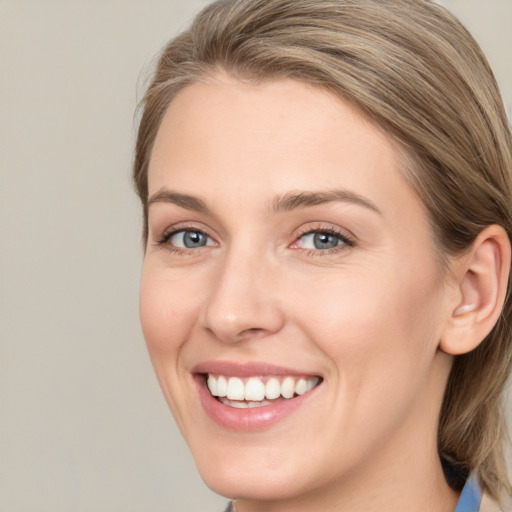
(481, 279)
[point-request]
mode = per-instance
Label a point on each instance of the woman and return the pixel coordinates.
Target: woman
(327, 192)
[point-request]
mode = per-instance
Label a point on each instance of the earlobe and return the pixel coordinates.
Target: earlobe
(481, 279)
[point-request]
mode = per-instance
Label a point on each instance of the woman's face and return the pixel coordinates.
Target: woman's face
(288, 257)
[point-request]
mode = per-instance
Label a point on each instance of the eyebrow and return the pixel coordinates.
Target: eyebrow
(304, 199)
(183, 200)
(283, 203)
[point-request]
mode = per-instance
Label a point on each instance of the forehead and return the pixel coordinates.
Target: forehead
(282, 130)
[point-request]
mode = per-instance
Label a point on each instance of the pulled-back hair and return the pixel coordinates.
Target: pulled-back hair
(415, 71)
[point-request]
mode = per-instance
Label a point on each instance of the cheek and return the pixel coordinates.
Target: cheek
(381, 340)
(380, 333)
(167, 312)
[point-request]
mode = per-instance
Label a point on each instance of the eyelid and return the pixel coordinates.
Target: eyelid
(163, 238)
(181, 233)
(347, 239)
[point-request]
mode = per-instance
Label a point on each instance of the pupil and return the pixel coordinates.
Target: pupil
(193, 239)
(325, 241)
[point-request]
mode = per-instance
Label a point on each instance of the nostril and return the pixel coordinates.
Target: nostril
(252, 332)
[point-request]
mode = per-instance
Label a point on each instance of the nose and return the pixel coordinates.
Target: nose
(244, 302)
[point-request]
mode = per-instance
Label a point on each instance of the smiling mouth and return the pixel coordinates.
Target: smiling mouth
(243, 393)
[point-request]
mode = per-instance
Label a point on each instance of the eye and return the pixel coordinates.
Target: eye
(320, 240)
(189, 239)
(323, 240)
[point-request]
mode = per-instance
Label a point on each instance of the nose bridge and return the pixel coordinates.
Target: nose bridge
(243, 300)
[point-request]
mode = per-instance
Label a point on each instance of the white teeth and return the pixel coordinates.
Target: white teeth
(300, 388)
(239, 404)
(288, 387)
(235, 389)
(311, 383)
(254, 392)
(244, 405)
(212, 385)
(222, 386)
(272, 389)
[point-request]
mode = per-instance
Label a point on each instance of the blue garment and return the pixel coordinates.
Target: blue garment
(470, 497)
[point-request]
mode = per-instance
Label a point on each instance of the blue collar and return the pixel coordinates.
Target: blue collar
(470, 497)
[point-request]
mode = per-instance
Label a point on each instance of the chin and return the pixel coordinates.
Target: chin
(256, 482)
(261, 469)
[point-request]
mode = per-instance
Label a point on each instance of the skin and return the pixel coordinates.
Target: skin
(366, 316)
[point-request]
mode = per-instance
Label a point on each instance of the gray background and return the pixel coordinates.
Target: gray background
(83, 426)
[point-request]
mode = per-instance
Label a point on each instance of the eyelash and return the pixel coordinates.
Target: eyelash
(163, 240)
(346, 241)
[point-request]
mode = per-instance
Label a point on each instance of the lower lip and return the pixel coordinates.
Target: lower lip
(250, 419)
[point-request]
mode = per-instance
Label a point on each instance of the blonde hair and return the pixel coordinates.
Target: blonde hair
(414, 70)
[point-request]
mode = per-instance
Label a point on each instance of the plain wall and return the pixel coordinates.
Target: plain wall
(83, 425)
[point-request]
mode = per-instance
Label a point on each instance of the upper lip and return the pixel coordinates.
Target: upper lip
(248, 369)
